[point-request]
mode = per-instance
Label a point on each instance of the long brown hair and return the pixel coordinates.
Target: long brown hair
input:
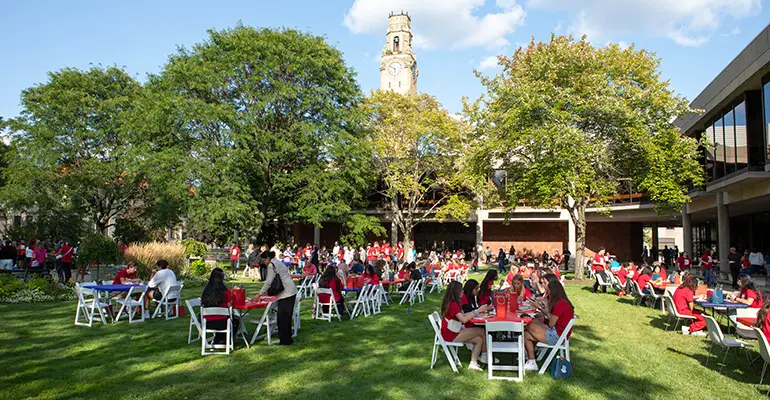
(689, 282)
(555, 293)
(762, 315)
(454, 293)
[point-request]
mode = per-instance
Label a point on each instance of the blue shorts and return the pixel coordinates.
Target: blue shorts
(551, 336)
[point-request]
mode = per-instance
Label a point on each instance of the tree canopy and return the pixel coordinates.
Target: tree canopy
(571, 122)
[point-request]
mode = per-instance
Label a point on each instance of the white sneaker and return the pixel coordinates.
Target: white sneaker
(531, 365)
(474, 366)
(146, 315)
(685, 330)
(698, 333)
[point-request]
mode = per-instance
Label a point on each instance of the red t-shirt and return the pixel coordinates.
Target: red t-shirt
(310, 269)
(67, 253)
(663, 273)
(486, 299)
(402, 274)
(622, 274)
(224, 303)
(565, 313)
(643, 280)
(451, 313)
(766, 328)
(598, 262)
(377, 251)
(335, 285)
(683, 296)
(525, 294)
(706, 259)
(122, 274)
(557, 273)
(464, 301)
(750, 294)
(371, 279)
(745, 263)
(400, 253)
(509, 279)
(371, 254)
(684, 263)
(235, 252)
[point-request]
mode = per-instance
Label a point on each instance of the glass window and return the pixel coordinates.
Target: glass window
(719, 148)
(741, 138)
(729, 129)
(766, 91)
(709, 154)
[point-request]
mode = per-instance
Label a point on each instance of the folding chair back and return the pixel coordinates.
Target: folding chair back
(516, 347)
(408, 293)
(133, 303)
(207, 345)
(562, 345)
(764, 347)
(449, 348)
(332, 310)
(172, 297)
(715, 332)
(194, 322)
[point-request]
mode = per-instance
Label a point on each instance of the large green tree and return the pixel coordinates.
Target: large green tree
(73, 151)
(418, 150)
(268, 125)
(571, 123)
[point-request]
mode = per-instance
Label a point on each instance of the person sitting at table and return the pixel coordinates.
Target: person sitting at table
(357, 267)
(342, 271)
(645, 276)
(623, 277)
(558, 317)
(370, 276)
(749, 294)
(158, 284)
(126, 275)
(485, 292)
(763, 322)
(309, 269)
(217, 294)
(513, 272)
(658, 278)
(330, 280)
(470, 293)
(453, 324)
(684, 298)
(517, 288)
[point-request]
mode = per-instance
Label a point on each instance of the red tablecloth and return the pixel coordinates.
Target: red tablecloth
(508, 318)
(394, 282)
(748, 321)
(250, 304)
(295, 276)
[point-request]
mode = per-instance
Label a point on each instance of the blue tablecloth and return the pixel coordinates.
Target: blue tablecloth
(726, 304)
(110, 288)
(352, 290)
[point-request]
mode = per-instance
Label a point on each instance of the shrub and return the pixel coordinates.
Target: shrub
(38, 290)
(199, 268)
(194, 248)
(10, 285)
(191, 281)
(99, 248)
(145, 255)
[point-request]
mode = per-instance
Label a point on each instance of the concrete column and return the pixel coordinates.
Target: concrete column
(723, 232)
(316, 235)
(655, 242)
(687, 231)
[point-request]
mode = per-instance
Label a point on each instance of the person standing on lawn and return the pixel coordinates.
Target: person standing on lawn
(286, 298)
(707, 263)
(235, 255)
(64, 255)
(734, 260)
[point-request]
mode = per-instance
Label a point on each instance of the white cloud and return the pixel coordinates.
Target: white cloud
(686, 22)
(441, 23)
(487, 63)
(735, 31)
(558, 27)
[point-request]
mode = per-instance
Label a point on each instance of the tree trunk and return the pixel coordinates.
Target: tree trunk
(407, 243)
(578, 215)
(393, 232)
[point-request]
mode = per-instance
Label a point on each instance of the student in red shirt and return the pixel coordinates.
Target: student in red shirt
(485, 292)
(684, 262)
(513, 272)
(557, 318)
(370, 276)
(309, 269)
(623, 277)
(598, 264)
(126, 275)
(518, 289)
(683, 302)
(371, 254)
(451, 310)
(645, 277)
(708, 267)
(64, 255)
(763, 322)
(235, 255)
(329, 280)
(749, 293)
(216, 294)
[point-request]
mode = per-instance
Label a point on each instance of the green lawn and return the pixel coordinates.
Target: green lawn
(618, 351)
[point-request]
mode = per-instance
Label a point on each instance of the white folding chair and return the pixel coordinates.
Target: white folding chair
(303, 287)
(419, 291)
(331, 305)
(718, 338)
(269, 321)
(408, 293)
(131, 305)
(516, 347)
(764, 351)
(450, 348)
(561, 346)
(741, 330)
(207, 344)
(194, 322)
(435, 282)
(673, 313)
(295, 317)
(375, 299)
(171, 300)
(383, 295)
(310, 286)
(361, 304)
(655, 297)
(89, 303)
(602, 282)
(639, 296)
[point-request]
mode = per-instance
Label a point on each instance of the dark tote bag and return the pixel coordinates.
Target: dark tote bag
(276, 287)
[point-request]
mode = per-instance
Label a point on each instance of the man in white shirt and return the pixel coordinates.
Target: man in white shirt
(158, 284)
(757, 261)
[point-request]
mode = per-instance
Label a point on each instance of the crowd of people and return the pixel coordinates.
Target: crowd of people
(34, 254)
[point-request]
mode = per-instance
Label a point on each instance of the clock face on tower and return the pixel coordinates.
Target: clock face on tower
(395, 68)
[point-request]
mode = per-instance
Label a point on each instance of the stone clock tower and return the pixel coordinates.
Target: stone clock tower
(398, 69)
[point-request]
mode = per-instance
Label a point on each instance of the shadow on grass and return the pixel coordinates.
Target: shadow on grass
(736, 364)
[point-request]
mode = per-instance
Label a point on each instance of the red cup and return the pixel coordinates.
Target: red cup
(501, 307)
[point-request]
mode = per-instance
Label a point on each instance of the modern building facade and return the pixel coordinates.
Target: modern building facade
(733, 208)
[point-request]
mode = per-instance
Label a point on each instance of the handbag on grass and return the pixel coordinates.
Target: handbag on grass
(561, 369)
(276, 286)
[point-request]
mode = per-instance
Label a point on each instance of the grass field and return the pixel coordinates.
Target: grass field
(619, 351)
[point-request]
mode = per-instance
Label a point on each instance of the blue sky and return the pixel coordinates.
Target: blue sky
(695, 38)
